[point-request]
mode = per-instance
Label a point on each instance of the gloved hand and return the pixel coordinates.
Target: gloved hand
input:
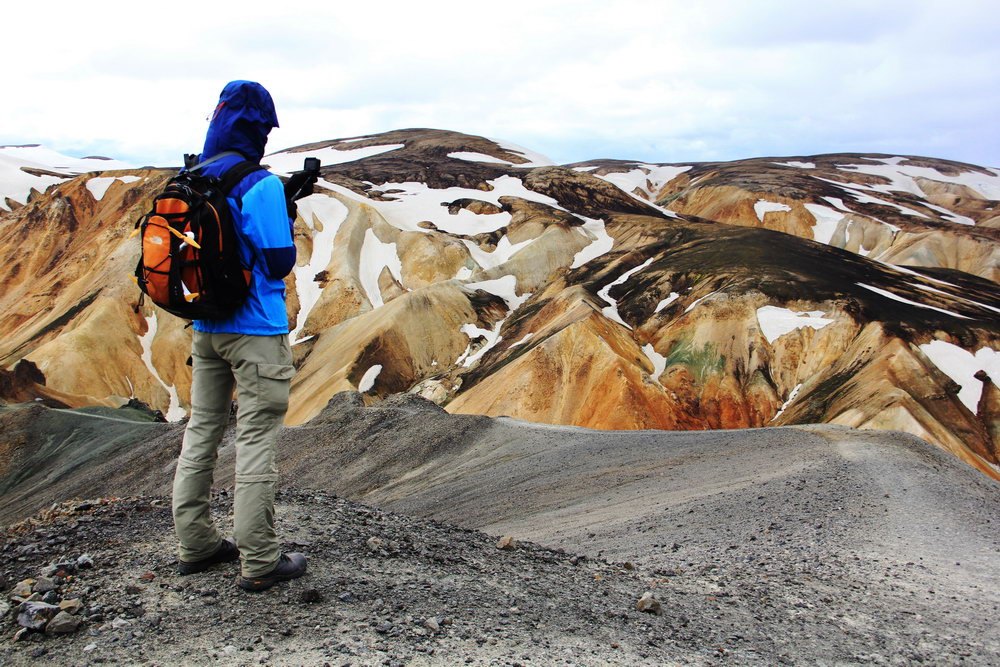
(299, 185)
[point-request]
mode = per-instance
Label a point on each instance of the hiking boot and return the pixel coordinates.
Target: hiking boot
(225, 553)
(289, 566)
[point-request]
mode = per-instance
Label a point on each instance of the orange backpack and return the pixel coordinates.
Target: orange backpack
(190, 263)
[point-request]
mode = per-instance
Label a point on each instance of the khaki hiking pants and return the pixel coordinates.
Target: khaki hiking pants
(261, 369)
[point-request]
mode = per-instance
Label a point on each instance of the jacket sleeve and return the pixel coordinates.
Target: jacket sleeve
(266, 227)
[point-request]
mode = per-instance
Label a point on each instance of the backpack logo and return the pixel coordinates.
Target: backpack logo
(190, 262)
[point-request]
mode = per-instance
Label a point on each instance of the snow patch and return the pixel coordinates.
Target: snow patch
(763, 207)
(648, 179)
(611, 311)
(503, 252)
(799, 165)
(330, 214)
(697, 301)
(827, 221)
(961, 366)
(17, 184)
(901, 177)
(951, 216)
(505, 288)
(368, 379)
(479, 157)
(525, 339)
(174, 412)
(775, 322)
(533, 159)
(600, 244)
(658, 360)
(376, 256)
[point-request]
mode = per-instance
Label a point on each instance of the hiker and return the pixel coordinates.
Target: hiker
(248, 350)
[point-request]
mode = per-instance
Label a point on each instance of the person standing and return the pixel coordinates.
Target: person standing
(248, 350)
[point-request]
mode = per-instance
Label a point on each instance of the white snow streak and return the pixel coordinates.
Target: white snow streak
(330, 214)
(478, 157)
(504, 251)
(666, 302)
(800, 165)
(961, 366)
(524, 340)
(776, 322)
(791, 397)
(174, 412)
(492, 337)
(611, 311)
(376, 256)
(896, 297)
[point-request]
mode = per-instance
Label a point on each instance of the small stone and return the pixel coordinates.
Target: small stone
(85, 561)
(346, 596)
(39, 652)
(63, 624)
(34, 615)
(89, 647)
(648, 603)
(383, 628)
(71, 606)
(310, 595)
(229, 649)
(21, 635)
(51, 598)
(147, 576)
(4, 610)
(628, 566)
(22, 589)
(507, 543)
(44, 585)
(120, 623)
(375, 545)
(432, 625)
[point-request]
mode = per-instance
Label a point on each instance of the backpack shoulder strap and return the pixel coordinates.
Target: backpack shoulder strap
(237, 173)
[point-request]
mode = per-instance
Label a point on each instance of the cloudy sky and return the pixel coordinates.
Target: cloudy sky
(664, 81)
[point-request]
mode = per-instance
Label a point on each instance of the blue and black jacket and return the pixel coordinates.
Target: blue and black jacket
(241, 122)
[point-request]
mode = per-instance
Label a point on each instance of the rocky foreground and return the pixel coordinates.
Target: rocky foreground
(799, 545)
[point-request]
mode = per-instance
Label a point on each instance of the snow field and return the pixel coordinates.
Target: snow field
(17, 184)
(505, 288)
(666, 302)
(658, 360)
(827, 220)
(961, 366)
(330, 214)
(775, 322)
(799, 165)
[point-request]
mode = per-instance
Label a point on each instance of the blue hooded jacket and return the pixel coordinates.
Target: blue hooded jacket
(241, 122)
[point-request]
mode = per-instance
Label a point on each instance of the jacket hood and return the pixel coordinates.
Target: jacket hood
(241, 122)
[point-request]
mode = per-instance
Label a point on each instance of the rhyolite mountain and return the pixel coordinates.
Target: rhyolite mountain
(848, 289)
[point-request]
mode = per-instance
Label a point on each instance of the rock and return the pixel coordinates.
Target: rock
(346, 597)
(72, 606)
(375, 545)
(51, 598)
(507, 543)
(85, 561)
(22, 589)
(384, 627)
(120, 623)
(147, 576)
(311, 595)
(4, 609)
(21, 635)
(44, 585)
(60, 569)
(432, 625)
(34, 615)
(229, 649)
(63, 624)
(39, 652)
(89, 647)
(648, 603)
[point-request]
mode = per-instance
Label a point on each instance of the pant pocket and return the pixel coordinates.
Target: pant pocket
(273, 382)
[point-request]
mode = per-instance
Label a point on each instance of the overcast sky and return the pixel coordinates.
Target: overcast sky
(660, 81)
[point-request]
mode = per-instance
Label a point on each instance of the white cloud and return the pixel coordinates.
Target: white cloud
(650, 80)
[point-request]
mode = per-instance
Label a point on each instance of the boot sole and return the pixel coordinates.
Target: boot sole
(263, 583)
